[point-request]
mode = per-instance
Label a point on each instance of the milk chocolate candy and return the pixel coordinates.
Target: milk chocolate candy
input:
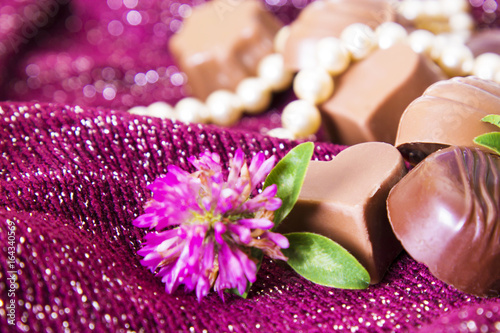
(448, 113)
(328, 19)
(446, 212)
(344, 199)
(371, 95)
(485, 41)
(222, 42)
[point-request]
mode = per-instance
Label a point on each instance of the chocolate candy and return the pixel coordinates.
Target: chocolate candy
(222, 42)
(344, 199)
(371, 95)
(485, 41)
(446, 212)
(448, 113)
(328, 19)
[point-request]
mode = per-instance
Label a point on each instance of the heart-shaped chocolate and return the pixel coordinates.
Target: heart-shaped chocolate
(345, 200)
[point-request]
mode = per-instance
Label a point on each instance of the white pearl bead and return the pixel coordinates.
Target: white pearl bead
(272, 70)
(486, 66)
(451, 7)
(301, 118)
(432, 9)
(225, 107)
(192, 110)
(496, 78)
(421, 41)
(161, 110)
(254, 94)
(458, 37)
(314, 85)
(280, 39)
(332, 55)
(443, 41)
(456, 60)
(411, 9)
(359, 39)
(390, 33)
(461, 22)
(139, 110)
(281, 133)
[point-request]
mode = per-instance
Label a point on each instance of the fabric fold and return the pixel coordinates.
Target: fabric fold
(73, 179)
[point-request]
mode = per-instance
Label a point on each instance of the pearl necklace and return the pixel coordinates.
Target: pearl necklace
(444, 43)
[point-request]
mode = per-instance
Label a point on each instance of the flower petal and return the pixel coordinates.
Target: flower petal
(219, 230)
(256, 162)
(243, 234)
(256, 223)
(249, 267)
(151, 260)
(146, 220)
(260, 169)
(231, 273)
(227, 200)
(205, 279)
(195, 245)
(278, 239)
(207, 161)
(202, 287)
(235, 167)
(267, 243)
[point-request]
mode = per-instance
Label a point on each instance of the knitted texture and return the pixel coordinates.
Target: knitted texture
(74, 178)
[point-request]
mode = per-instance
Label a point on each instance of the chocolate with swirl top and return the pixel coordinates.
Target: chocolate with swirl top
(448, 113)
(446, 213)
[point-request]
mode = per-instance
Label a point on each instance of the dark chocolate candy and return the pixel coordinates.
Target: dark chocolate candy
(448, 113)
(344, 199)
(446, 213)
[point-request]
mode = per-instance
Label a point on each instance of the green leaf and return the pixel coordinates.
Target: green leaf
(323, 261)
(492, 119)
(489, 140)
(235, 291)
(289, 175)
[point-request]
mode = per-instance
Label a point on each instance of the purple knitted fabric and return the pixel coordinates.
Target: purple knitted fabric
(72, 179)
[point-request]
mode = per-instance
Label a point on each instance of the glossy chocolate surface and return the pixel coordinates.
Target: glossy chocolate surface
(344, 199)
(448, 113)
(328, 19)
(446, 213)
(222, 42)
(371, 95)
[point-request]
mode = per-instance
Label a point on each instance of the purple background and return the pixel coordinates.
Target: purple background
(74, 169)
